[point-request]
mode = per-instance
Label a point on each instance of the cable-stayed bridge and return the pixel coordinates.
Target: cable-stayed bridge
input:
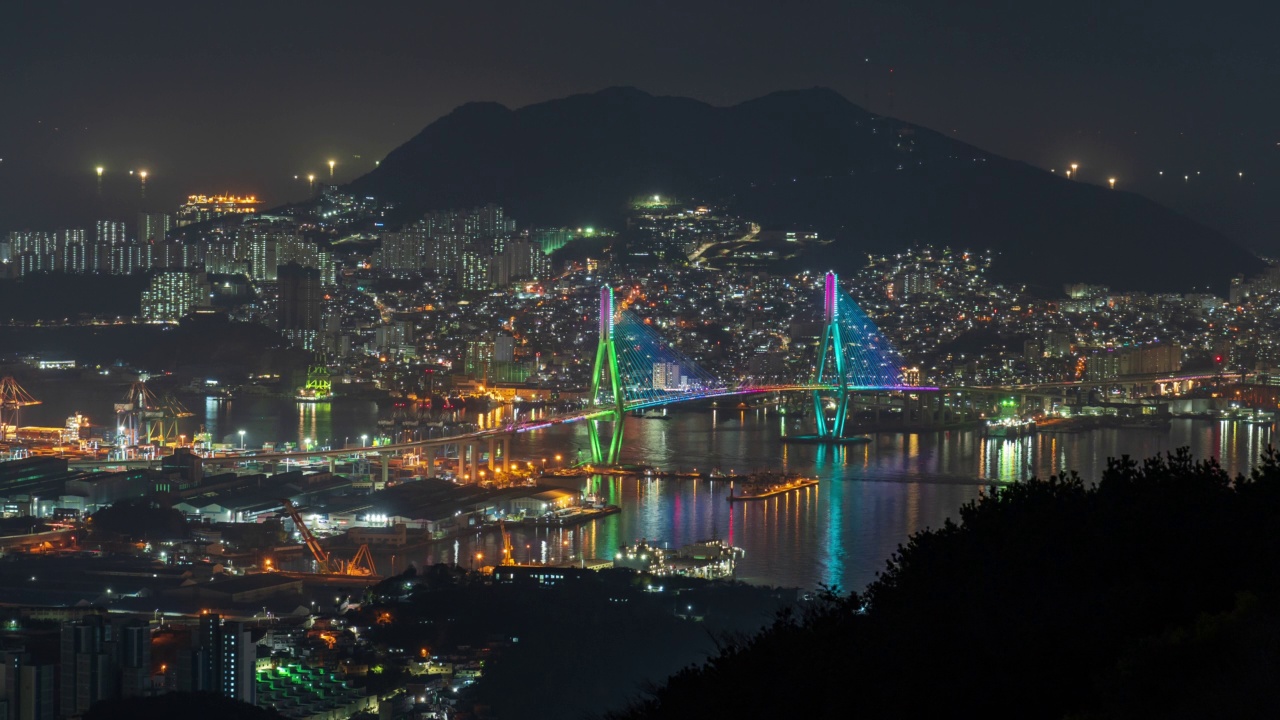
(636, 368)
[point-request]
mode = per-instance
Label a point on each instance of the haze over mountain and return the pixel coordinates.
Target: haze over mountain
(803, 159)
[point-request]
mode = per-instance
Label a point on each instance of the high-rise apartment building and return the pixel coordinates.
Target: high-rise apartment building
(173, 294)
(439, 241)
(224, 661)
(269, 248)
(129, 259)
(405, 251)
(264, 255)
(666, 376)
(1156, 358)
(102, 659)
(519, 261)
(31, 241)
(444, 254)
(27, 689)
(226, 257)
(110, 232)
(299, 304)
(73, 247)
(395, 337)
(504, 348)
(473, 271)
(37, 697)
(479, 356)
(154, 227)
(178, 255)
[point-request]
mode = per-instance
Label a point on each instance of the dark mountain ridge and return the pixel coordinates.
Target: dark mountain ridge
(800, 159)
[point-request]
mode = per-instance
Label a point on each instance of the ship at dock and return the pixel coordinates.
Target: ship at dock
(1010, 423)
(1010, 427)
(705, 559)
(761, 486)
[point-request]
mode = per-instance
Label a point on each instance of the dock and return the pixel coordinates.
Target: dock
(775, 491)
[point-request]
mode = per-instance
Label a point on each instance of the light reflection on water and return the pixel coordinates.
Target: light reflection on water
(872, 495)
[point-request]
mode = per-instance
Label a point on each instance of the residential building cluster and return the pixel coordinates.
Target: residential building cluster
(463, 299)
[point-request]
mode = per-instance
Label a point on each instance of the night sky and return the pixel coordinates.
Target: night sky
(241, 97)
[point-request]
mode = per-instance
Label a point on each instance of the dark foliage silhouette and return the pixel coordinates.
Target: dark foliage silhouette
(1152, 593)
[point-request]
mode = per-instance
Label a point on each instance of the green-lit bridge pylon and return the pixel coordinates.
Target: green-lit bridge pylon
(831, 337)
(606, 366)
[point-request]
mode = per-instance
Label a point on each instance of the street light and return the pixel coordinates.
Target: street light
(364, 441)
(1074, 167)
(1112, 183)
(331, 164)
(241, 441)
(479, 557)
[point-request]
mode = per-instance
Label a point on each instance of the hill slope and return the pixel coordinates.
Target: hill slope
(799, 159)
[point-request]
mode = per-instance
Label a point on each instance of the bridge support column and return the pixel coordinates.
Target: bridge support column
(333, 464)
(606, 366)
(492, 452)
(831, 339)
(386, 469)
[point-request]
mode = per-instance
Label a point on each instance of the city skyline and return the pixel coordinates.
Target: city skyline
(510, 361)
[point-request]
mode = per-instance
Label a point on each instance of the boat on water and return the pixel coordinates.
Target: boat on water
(1010, 422)
(761, 486)
(705, 559)
(1010, 427)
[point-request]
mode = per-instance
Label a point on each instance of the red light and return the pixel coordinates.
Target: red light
(1217, 358)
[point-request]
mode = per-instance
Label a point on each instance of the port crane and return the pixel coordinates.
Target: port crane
(508, 556)
(147, 419)
(361, 564)
(12, 399)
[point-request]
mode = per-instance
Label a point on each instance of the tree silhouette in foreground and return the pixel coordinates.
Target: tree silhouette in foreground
(1153, 593)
